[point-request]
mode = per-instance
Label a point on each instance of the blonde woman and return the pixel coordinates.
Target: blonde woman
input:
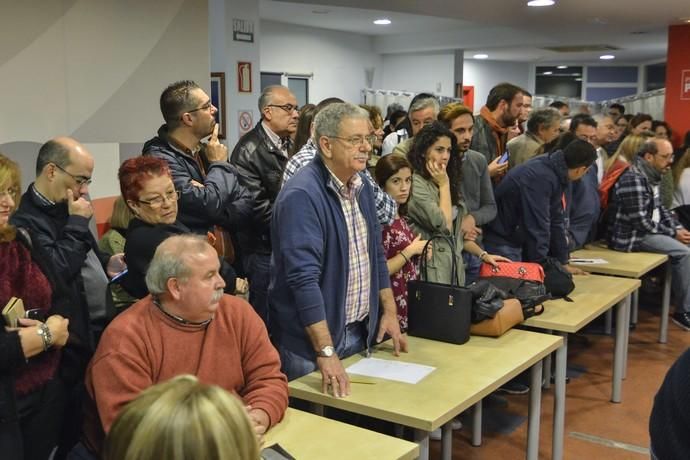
(182, 419)
(626, 152)
(113, 241)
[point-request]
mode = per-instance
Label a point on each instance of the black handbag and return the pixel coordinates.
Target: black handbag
(557, 280)
(439, 311)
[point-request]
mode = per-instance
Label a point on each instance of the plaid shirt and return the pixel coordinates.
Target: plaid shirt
(386, 208)
(359, 273)
(634, 204)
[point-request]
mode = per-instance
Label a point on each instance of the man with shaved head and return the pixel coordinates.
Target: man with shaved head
(56, 211)
(640, 222)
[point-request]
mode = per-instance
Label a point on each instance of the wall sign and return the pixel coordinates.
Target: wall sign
(218, 100)
(242, 30)
(245, 121)
(244, 77)
(685, 85)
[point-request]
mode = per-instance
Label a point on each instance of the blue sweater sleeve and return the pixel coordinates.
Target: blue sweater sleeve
(301, 250)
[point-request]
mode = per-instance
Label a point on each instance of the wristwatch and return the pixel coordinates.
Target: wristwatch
(326, 352)
(45, 334)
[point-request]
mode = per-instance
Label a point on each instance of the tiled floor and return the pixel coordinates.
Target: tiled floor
(589, 414)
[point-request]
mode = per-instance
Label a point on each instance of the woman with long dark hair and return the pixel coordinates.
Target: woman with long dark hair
(436, 206)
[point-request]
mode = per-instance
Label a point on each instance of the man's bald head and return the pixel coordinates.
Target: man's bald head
(61, 151)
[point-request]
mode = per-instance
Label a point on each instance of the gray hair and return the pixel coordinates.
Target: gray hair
(327, 122)
(169, 261)
(545, 117)
(425, 103)
(267, 95)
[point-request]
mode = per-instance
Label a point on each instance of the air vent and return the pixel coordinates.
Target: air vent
(581, 48)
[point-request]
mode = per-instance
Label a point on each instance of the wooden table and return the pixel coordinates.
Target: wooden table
(630, 265)
(593, 295)
(307, 436)
(464, 375)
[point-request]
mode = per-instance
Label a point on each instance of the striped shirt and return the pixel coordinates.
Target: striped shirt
(358, 273)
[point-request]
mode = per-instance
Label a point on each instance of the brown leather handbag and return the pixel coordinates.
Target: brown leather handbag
(508, 316)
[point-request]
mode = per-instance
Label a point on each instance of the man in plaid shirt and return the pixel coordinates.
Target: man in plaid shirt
(641, 223)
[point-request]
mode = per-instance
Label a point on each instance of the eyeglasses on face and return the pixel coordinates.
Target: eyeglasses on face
(289, 108)
(80, 180)
(206, 106)
(357, 141)
(158, 201)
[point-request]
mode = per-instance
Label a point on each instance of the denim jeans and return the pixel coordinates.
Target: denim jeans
(514, 253)
(354, 340)
(679, 254)
(258, 271)
(472, 266)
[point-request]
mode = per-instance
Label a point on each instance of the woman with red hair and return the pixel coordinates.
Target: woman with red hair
(147, 188)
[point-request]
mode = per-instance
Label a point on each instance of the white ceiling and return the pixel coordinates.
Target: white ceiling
(504, 29)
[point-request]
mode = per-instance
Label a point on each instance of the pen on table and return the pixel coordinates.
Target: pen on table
(361, 380)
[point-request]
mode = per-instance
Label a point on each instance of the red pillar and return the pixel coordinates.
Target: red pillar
(677, 101)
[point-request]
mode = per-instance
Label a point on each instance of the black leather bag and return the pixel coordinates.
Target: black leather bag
(557, 280)
(439, 311)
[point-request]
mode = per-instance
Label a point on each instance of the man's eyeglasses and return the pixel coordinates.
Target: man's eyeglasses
(158, 201)
(289, 108)
(203, 107)
(357, 141)
(11, 192)
(80, 180)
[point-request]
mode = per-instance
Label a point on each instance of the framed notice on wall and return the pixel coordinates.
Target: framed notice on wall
(244, 77)
(218, 100)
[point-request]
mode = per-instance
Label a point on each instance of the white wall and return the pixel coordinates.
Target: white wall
(420, 72)
(338, 60)
(484, 75)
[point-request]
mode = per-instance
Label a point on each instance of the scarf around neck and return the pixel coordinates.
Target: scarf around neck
(653, 176)
(497, 130)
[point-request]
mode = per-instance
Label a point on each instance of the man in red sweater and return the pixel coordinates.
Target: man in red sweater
(186, 326)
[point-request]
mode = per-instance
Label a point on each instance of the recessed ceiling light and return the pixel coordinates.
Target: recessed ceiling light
(382, 22)
(607, 57)
(481, 56)
(540, 3)
(562, 67)
(323, 11)
(548, 72)
(578, 79)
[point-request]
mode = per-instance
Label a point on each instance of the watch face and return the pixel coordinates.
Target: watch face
(327, 351)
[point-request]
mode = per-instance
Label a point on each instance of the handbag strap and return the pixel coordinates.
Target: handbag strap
(451, 243)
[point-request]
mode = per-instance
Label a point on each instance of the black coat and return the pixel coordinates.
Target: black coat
(222, 201)
(261, 167)
(142, 240)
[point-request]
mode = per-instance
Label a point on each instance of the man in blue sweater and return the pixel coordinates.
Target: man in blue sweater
(329, 273)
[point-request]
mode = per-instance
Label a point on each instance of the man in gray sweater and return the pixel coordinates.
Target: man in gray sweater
(476, 183)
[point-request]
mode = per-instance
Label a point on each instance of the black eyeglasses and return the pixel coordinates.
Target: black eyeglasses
(158, 201)
(80, 180)
(289, 108)
(203, 107)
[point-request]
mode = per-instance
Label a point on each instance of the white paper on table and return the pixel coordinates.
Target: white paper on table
(589, 261)
(391, 370)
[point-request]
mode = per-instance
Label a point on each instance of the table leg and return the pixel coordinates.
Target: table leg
(547, 366)
(665, 304)
(635, 306)
(628, 315)
(477, 425)
(534, 412)
(559, 400)
(619, 353)
(608, 323)
(421, 437)
(447, 441)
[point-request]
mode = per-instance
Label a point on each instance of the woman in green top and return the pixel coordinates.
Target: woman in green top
(436, 206)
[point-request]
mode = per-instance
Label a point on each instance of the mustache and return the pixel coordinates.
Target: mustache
(217, 295)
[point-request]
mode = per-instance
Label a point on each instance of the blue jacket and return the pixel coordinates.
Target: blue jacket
(530, 209)
(309, 265)
(583, 207)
